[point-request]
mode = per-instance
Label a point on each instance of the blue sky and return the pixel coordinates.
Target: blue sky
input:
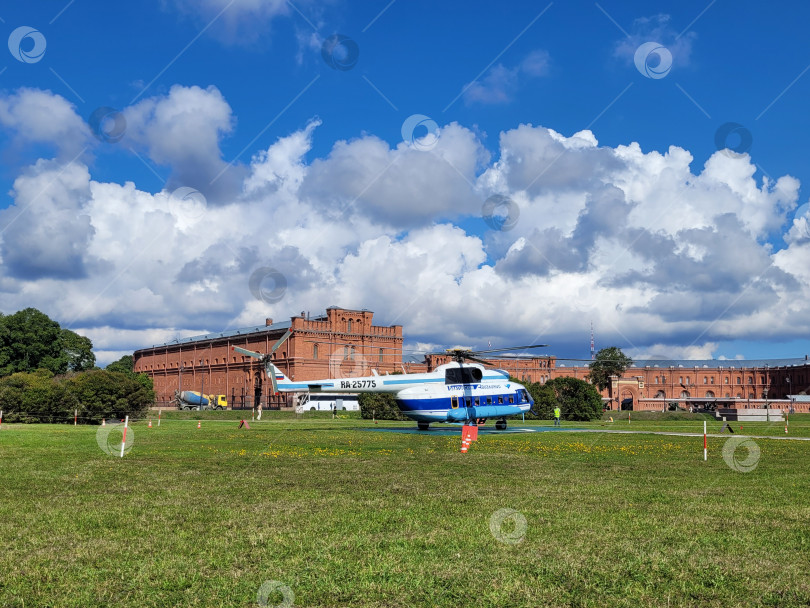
(626, 212)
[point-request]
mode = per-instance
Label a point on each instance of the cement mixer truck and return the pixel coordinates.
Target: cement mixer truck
(192, 400)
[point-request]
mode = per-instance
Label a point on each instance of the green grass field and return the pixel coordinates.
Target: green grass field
(310, 511)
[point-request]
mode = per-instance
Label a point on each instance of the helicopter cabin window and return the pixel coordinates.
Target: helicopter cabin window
(468, 401)
(500, 400)
(454, 402)
(489, 400)
(477, 401)
(462, 375)
(511, 399)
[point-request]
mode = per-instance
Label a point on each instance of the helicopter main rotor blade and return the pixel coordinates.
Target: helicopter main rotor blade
(280, 342)
(247, 352)
(471, 358)
(500, 350)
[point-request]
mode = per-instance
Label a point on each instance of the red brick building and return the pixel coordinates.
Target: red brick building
(344, 343)
(340, 344)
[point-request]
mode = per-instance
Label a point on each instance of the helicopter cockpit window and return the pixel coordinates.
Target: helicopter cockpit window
(462, 375)
(454, 402)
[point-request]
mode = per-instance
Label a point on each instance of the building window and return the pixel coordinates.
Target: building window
(705, 379)
(725, 380)
(739, 380)
(762, 380)
(660, 395)
(314, 351)
(751, 396)
(710, 394)
(656, 379)
(351, 354)
(687, 380)
(750, 380)
(345, 352)
(684, 394)
(711, 380)
(349, 326)
(381, 356)
(663, 379)
(680, 379)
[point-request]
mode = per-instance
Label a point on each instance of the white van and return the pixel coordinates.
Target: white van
(326, 402)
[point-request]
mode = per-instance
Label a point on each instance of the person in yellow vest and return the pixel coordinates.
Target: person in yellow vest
(557, 413)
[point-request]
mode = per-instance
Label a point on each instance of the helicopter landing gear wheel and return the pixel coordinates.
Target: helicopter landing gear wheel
(423, 426)
(500, 425)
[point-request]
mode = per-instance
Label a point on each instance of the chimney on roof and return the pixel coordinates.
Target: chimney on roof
(268, 321)
(303, 315)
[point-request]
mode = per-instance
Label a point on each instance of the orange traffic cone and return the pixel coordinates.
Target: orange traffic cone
(150, 423)
(199, 424)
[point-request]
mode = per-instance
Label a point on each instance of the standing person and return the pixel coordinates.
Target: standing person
(557, 413)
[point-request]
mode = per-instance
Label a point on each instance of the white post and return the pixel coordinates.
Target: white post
(124, 438)
(160, 411)
(705, 446)
(1, 419)
(75, 416)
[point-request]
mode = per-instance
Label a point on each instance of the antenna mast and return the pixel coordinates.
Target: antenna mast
(592, 350)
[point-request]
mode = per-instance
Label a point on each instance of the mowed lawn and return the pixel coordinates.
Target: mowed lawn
(322, 512)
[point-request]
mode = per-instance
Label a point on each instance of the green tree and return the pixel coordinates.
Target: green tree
(101, 394)
(381, 406)
(78, 350)
(30, 340)
(126, 365)
(608, 362)
(577, 399)
(544, 400)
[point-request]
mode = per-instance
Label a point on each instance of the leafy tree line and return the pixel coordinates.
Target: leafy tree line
(47, 372)
(42, 397)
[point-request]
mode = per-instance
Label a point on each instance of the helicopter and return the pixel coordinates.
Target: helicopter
(458, 391)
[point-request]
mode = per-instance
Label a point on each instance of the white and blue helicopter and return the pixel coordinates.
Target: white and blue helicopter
(454, 392)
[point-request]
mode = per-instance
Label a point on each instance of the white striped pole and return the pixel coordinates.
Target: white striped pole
(124, 438)
(75, 416)
(705, 446)
(160, 411)
(1, 419)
